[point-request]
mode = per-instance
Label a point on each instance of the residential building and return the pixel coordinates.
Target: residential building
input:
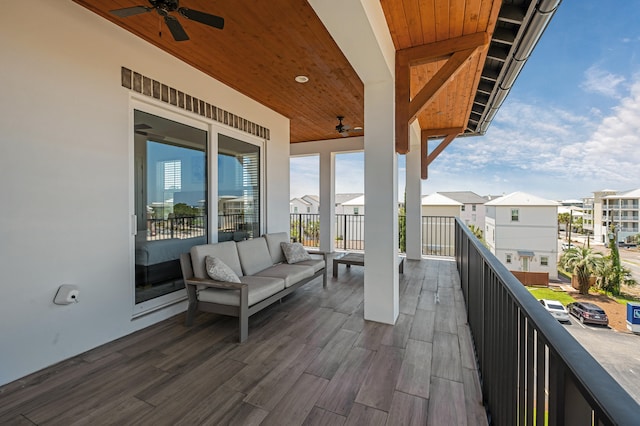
(437, 204)
(472, 210)
(354, 206)
(305, 204)
(340, 199)
(521, 230)
(621, 212)
(594, 220)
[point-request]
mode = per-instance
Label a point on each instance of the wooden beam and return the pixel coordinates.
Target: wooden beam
(438, 82)
(430, 52)
(427, 158)
(459, 50)
(403, 95)
(427, 133)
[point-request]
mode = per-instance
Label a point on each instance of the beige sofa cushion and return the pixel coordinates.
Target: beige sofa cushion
(259, 288)
(316, 264)
(254, 255)
(273, 243)
(291, 274)
(225, 251)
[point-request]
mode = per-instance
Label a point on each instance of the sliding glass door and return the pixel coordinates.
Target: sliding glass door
(170, 201)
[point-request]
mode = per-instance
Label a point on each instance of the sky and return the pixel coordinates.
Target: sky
(570, 125)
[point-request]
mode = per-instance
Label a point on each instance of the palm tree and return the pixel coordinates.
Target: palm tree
(611, 273)
(582, 262)
(566, 219)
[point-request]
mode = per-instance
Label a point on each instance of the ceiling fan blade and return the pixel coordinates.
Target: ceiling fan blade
(203, 18)
(130, 11)
(176, 29)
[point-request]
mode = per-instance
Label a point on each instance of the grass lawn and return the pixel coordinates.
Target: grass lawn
(547, 293)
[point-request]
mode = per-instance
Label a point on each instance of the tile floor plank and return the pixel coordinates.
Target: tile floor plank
(310, 359)
(380, 382)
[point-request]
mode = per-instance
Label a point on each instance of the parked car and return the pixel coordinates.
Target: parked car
(556, 309)
(567, 246)
(588, 313)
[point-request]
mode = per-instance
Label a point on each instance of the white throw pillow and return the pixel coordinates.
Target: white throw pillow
(220, 271)
(294, 252)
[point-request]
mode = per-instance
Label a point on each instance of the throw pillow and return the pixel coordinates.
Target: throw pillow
(294, 252)
(220, 271)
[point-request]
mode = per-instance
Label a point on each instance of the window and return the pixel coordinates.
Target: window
(356, 210)
(239, 199)
(473, 208)
(462, 208)
(508, 258)
(514, 215)
(295, 209)
(172, 175)
(308, 209)
(544, 261)
(170, 187)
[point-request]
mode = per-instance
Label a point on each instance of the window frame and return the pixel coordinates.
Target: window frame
(160, 110)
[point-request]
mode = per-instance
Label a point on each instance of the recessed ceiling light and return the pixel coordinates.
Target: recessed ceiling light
(357, 128)
(302, 78)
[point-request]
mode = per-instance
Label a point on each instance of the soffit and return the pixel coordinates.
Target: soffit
(265, 44)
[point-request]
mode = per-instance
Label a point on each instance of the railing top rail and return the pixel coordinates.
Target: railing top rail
(604, 394)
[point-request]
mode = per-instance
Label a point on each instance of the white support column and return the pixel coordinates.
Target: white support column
(413, 207)
(381, 294)
(327, 201)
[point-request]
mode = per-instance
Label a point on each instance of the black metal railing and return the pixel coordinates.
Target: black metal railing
(437, 232)
(532, 370)
(176, 227)
(438, 235)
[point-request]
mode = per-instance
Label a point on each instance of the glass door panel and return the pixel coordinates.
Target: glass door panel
(238, 189)
(170, 201)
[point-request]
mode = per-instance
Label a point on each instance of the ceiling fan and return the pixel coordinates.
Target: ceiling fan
(164, 8)
(343, 129)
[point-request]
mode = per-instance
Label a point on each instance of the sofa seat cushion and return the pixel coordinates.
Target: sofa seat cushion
(254, 255)
(259, 289)
(316, 264)
(291, 274)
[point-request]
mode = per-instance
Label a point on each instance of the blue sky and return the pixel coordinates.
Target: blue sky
(570, 125)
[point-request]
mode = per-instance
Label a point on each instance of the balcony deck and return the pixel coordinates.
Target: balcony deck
(312, 360)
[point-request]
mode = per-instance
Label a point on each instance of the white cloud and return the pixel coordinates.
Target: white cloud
(547, 151)
(603, 82)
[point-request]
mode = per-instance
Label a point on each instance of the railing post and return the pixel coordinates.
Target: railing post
(344, 235)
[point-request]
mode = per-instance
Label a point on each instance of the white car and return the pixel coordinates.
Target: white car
(556, 309)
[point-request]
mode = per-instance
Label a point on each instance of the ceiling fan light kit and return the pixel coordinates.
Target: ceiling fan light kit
(164, 8)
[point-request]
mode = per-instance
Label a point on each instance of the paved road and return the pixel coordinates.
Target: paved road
(618, 353)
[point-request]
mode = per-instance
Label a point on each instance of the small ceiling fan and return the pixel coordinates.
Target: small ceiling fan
(343, 129)
(164, 8)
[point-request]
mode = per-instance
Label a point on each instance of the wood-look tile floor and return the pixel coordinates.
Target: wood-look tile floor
(310, 360)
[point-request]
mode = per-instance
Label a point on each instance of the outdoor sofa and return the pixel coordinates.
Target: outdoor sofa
(249, 275)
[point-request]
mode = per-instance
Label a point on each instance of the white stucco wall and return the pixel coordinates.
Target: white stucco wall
(67, 178)
(536, 230)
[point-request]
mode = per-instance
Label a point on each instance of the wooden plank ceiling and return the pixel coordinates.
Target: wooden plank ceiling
(265, 44)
